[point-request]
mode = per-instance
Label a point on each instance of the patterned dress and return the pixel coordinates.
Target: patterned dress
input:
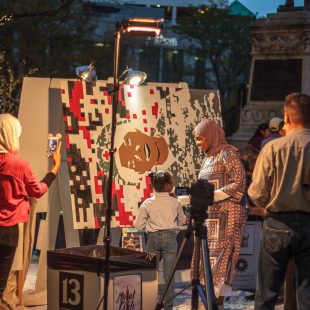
(226, 218)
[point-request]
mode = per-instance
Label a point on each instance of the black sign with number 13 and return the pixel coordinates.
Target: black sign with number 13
(71, 287)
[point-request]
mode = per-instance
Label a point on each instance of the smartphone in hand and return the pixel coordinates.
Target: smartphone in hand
(53, 142)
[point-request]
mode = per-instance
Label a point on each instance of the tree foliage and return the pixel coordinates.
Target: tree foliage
(221, 45)
(46, 38)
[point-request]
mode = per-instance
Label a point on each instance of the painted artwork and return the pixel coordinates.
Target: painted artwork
(247, 240)
(154, 131)
(132, 242)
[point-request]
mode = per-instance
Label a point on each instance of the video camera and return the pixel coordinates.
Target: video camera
(201, 193)
(201, 197)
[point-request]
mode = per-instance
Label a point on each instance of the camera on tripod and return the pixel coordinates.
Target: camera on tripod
(201, 197)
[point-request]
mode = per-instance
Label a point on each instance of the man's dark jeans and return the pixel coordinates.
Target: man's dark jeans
(285, 235)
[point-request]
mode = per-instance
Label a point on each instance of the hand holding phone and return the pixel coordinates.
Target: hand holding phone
(53, 142)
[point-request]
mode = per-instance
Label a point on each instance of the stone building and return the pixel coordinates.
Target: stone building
(280, 65)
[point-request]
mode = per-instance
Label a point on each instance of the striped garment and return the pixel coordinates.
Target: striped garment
(160, 212)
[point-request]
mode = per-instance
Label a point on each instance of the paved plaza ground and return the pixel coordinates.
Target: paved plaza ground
(239, 300)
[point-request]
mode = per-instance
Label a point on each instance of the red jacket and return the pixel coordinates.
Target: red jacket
(17, 183)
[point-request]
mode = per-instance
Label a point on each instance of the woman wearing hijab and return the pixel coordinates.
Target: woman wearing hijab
(226, 217)
(17, 184)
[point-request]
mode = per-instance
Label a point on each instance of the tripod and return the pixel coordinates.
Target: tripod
(200, 243)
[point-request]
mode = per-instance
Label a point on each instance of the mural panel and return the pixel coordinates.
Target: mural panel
(154, 131)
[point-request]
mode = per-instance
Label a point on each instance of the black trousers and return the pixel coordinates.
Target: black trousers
(7, 254)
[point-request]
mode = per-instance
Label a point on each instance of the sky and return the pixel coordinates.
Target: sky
(262, 7)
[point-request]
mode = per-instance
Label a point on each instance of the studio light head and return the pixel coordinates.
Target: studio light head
(133, 77)
(142, 26)
(87, 73)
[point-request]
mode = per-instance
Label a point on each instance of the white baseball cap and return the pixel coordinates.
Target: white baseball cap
(274, 124)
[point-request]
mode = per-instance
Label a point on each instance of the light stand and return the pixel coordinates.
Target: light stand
(135, 26)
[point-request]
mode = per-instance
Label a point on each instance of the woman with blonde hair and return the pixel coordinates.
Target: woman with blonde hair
(17, 184)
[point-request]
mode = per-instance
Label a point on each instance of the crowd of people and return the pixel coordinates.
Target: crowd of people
(271, 178)
(264, 133)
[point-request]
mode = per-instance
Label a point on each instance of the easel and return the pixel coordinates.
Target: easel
(42, 95)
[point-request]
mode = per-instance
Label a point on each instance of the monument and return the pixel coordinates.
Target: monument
(280, 65)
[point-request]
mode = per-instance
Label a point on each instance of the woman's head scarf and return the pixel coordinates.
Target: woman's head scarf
(10, 131)
(215, 135)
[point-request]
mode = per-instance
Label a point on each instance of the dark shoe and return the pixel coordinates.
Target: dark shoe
(220, 300)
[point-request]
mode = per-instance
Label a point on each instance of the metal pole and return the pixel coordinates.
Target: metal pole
(161, 64)
(195, 279)
(209, 290)
(107, 237)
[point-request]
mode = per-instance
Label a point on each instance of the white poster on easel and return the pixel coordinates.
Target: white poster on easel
(127, 292)
(246, 268)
